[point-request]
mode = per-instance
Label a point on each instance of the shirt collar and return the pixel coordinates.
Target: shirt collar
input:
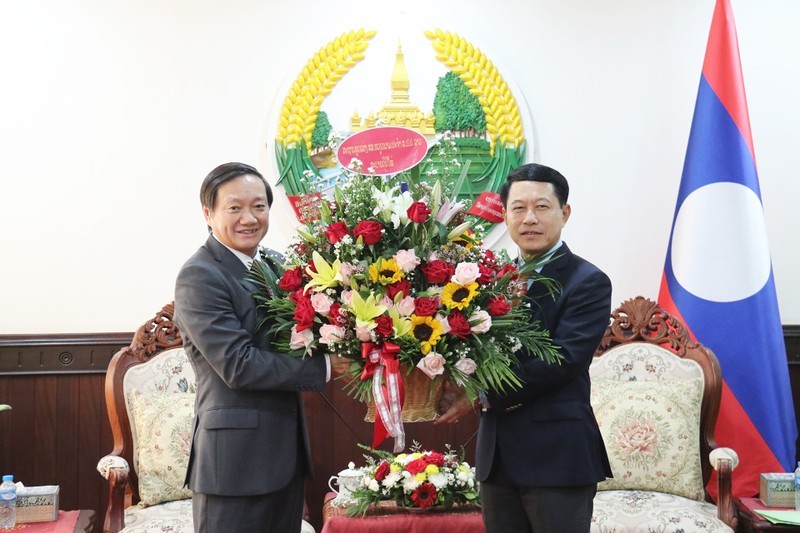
(545, 257)
(244, 258)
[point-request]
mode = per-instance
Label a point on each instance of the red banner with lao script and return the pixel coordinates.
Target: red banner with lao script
(488, 206)
(384, 150)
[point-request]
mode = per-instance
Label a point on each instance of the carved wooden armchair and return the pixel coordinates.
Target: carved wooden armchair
(150, 391)
(656, 396)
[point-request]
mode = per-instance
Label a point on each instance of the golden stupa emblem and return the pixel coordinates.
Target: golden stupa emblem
(399, 111)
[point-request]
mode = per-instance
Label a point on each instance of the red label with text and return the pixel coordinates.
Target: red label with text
(384, 150)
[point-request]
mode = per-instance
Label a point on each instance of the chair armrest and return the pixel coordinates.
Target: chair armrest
(115, 469)
(724, 461)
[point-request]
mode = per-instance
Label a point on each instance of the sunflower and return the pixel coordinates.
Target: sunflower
(385, 271)
(457, 296)
(427, 330)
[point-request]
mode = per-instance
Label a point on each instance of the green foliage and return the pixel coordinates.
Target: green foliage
(455, 108)
(322, 128)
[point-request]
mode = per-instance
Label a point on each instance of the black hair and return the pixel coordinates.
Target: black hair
(536, 172)
(224, 173)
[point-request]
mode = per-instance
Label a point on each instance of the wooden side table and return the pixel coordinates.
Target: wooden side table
(749, 521)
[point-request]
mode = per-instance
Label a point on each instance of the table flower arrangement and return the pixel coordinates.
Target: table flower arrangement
(388, 274)
(416, 480)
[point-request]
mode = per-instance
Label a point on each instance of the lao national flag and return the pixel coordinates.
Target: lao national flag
(718, 274)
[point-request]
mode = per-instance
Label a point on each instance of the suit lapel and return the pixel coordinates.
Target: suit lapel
(229, 263)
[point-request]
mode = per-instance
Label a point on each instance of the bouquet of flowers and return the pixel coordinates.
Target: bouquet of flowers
(420, 479)
(388, 274)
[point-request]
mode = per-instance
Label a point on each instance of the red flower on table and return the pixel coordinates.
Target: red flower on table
(434, 458)
(425, 495)
(370, 230)
(417, 466)
(383, 470)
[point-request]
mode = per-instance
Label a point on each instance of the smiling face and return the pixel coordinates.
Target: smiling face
(240, 217)
(534, 217)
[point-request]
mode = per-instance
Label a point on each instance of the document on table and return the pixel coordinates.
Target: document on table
(781, 517)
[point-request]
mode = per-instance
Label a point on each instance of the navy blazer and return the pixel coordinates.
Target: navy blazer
(249, 430)
(545, 432)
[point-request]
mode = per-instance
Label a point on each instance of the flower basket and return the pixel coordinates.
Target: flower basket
(422, 395)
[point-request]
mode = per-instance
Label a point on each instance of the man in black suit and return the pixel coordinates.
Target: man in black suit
(250, 448)
(540, 453)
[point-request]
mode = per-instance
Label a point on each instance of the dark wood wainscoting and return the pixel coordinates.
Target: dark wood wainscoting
(58, 427)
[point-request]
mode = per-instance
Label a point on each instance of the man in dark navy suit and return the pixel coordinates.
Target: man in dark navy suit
(539, 453)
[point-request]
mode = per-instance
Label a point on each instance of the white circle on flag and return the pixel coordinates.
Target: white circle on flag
(719, 243)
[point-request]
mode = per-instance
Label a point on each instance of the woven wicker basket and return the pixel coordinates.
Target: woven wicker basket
(422, 395)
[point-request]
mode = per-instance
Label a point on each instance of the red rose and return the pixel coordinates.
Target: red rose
(291, 279)
(385, 326)
(418, 212)
(369, 230)
(425, 306)
(487, 274)
(304, 313)
(509, 268)
(383, 470)
(437, 271)
(497, 306)
(296, 295)
(417, 466)
(459, 325)
(434, 458)
(336, 231)
(399, 287)
(334, 316)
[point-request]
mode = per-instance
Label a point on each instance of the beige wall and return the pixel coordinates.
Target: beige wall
(112, 111)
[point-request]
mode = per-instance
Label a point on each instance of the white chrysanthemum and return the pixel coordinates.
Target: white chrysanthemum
(373, 485)
(410, 484)
(391, 479)
(439, 480)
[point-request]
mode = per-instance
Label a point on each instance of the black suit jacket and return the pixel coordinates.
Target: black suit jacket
(545, 432)
(249, 430)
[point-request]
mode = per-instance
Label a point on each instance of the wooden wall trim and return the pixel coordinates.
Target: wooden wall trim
(82, 353)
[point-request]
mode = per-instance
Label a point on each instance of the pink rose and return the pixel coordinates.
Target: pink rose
(406, 306)
(480, 322)
(467, 366)
(432, 364)
(330, 334)
(321, 303)
(301, 339)
(364, 334)
(346, 270)
(466, 273)
(347, 297)
(407, 260)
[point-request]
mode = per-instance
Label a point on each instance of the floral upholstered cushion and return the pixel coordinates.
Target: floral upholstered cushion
(164, 429)
(651, 430)
(633, 511)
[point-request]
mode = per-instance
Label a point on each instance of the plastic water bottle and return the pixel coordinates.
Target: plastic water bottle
(797, 487)
(8, 503)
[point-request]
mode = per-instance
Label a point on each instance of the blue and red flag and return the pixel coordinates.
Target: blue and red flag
(718, 275)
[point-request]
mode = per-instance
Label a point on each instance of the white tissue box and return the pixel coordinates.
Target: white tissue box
(37, 504)
(777, 490)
